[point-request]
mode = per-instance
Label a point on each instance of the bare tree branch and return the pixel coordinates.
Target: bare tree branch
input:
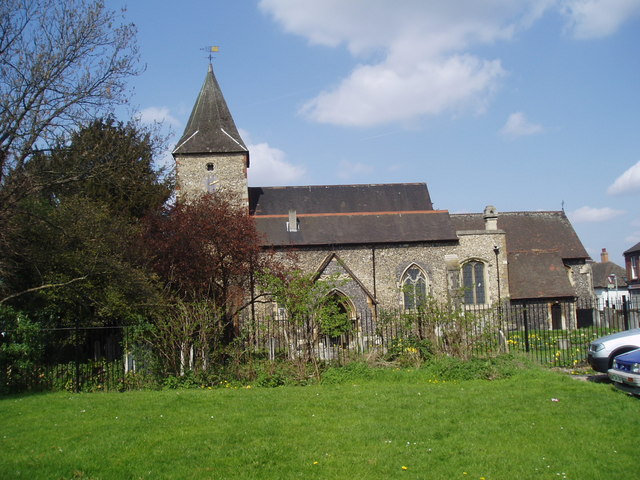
(43, 287)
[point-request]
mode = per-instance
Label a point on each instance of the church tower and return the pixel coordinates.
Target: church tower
(210, 156)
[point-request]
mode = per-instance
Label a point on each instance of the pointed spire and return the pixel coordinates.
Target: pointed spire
(210, 128)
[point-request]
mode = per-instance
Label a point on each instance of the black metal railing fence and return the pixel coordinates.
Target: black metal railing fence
(553, 333)
(63, 358)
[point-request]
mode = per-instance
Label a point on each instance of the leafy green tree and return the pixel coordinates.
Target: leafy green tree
(79, 261)
(74, 246)
(310, 307)
(62, 62)
(109, 162)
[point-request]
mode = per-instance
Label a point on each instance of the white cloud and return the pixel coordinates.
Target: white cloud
(380, 94)
(414, 56)
(158, 115)
(589, 214)
(598, 18)
(628, 182)
(268, 166)
(517, 125)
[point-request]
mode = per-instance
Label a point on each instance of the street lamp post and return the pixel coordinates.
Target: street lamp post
(496, 250)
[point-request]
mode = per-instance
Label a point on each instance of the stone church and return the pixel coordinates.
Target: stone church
(386, 241)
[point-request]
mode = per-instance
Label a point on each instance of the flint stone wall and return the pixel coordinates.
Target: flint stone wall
(227, 173)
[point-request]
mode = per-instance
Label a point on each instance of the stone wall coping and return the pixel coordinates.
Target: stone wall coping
(480, 232)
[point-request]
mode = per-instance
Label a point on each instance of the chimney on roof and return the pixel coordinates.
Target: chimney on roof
(292, 224)
(490, 218)
(604, 256)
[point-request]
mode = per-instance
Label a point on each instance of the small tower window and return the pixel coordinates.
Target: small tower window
(209, 167)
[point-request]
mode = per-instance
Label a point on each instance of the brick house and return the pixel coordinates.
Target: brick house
(632, 263)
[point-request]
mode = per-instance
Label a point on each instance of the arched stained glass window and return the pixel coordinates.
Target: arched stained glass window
(473, 283)
(414, 288)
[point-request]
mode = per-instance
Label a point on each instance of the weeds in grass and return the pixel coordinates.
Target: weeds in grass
(360, 422)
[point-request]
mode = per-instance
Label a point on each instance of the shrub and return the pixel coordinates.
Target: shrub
(347, 373)
(409, 351)
(21, 348)
(452, 368)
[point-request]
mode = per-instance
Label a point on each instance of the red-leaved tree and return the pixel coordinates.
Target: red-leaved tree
(207, 250)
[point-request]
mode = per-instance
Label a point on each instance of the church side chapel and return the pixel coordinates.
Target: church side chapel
(385, 241)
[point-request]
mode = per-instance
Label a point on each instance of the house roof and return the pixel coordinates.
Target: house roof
(634, 249)
(600, 272)
(349, 214)
(538, 245)
(210, 128)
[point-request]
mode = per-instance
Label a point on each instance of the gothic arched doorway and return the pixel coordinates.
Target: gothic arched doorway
(341, 327)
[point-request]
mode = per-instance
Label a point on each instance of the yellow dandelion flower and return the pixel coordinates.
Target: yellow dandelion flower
(405, 468)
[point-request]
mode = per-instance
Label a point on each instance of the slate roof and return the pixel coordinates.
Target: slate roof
(210, 128)
(538, 244)
(349, 215)
(634, 249)
(388, 197)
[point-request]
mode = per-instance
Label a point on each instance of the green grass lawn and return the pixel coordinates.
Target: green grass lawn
(392, 424)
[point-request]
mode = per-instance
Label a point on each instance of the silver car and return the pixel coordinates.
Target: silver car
(603, 350)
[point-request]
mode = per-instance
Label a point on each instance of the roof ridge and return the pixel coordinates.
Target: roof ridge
(343, 214)
(354, 185)
(516, 212)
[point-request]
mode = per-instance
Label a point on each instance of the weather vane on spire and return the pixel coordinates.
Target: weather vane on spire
(211, 49)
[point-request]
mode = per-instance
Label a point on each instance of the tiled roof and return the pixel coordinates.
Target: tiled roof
(600, 271)
(538, 244)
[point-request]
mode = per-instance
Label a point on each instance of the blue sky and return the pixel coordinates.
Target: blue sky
(525, 105)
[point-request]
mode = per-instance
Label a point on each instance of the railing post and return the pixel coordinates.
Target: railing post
(77, 332)
(625, 312)
(525, 318)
